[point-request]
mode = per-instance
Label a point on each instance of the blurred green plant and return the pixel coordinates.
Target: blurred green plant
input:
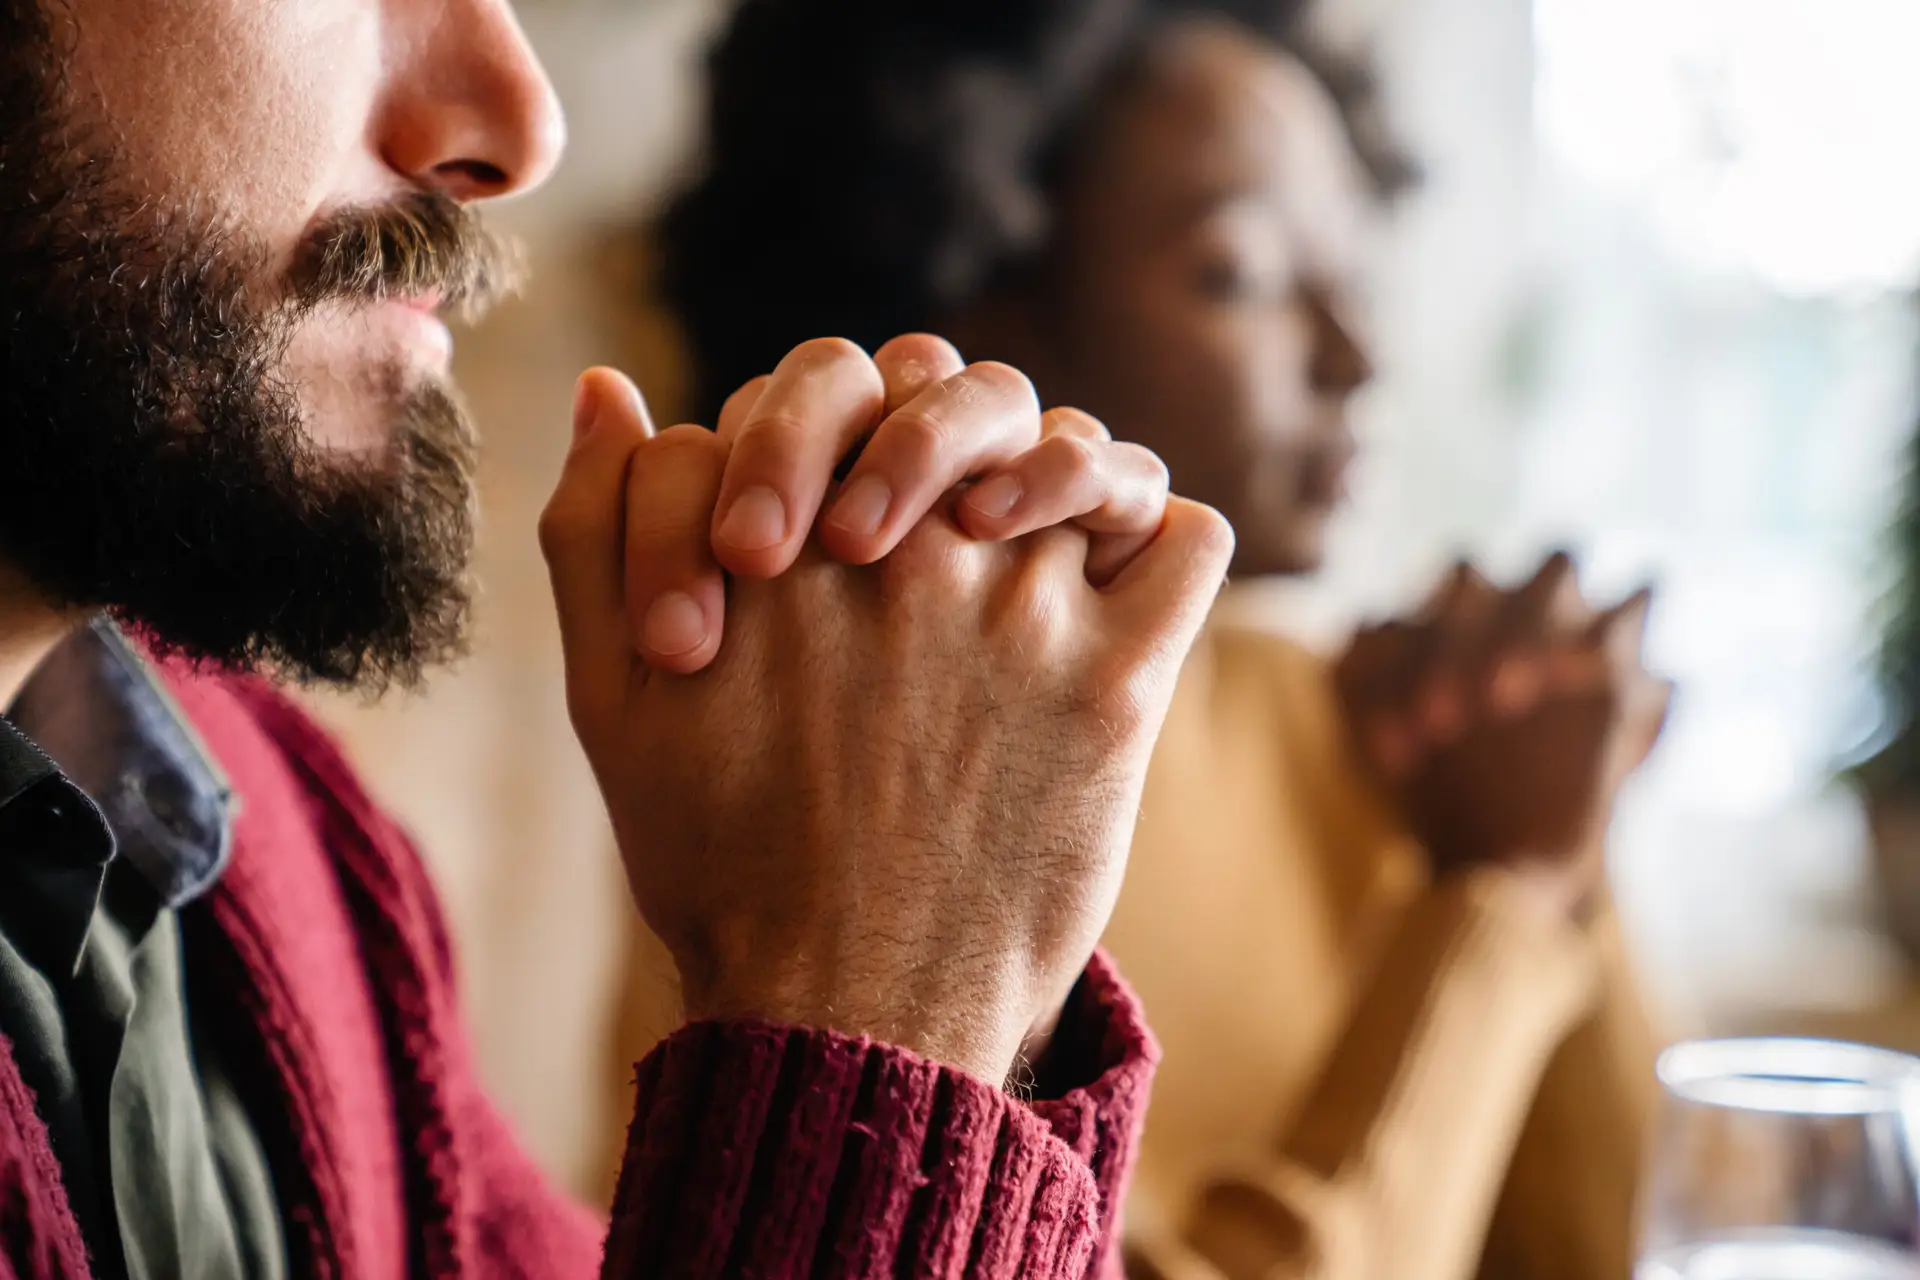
(1894, 767)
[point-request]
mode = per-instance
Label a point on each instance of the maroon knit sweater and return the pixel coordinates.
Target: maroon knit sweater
(323, 966)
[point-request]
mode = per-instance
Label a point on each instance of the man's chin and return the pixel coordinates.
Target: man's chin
(351, 570)
(359, 410)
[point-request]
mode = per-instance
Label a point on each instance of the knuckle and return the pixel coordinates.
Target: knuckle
(685, 435)
(933, 557)
(920, 348)
(818, 353)
(839, 363)
(1122, 693)
(1036, 618)
(1076, 458)
(915, 439)
(744, 396)
(1151, 468)
(1001, 381)
(928, 544)
(685, 445)
(1212, 533)
(1077, 422)
(673, 481)
(773, 435)
(558, 528)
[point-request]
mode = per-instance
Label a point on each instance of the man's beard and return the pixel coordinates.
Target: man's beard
(154, 458)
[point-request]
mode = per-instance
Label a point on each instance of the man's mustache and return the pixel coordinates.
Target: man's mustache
(423, 245)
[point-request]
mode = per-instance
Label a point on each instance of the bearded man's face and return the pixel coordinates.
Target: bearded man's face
(226, 228)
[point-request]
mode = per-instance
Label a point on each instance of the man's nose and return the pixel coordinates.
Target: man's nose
(469, 110)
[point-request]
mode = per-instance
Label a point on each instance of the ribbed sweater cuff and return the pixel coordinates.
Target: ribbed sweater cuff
(765, 1150)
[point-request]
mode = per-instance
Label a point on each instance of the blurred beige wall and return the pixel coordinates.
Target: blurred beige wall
(483, 766)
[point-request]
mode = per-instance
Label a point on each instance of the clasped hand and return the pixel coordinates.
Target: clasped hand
(873, 746)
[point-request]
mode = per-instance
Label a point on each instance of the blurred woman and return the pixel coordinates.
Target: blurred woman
(1365, 906)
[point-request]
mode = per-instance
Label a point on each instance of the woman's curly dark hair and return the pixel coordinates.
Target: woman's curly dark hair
(873, 165)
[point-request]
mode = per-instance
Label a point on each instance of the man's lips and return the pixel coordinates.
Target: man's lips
(427, 303)
(416, 322)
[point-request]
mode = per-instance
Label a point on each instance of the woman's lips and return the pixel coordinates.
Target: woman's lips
(1324, 486)
(1324, 470)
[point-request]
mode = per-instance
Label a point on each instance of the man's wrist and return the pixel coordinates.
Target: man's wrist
(981, 1034)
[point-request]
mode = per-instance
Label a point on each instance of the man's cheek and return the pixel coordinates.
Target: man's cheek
(230, 112)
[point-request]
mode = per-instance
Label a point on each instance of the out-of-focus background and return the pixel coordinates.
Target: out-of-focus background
(1651, 303)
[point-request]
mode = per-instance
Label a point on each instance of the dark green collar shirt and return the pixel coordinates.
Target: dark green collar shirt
(113, 819)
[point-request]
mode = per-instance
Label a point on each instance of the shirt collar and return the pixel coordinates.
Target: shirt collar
(99, 713)
(23, 766)
(42, 814)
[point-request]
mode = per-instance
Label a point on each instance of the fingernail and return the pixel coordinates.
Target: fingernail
(674, 625)
(996, 497)
(586, 408)
(756, 520)
(862, 507)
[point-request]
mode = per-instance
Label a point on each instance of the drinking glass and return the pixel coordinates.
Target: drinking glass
(1783, 1159)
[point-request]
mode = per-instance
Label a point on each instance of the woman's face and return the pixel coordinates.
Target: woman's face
(1202, 299)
